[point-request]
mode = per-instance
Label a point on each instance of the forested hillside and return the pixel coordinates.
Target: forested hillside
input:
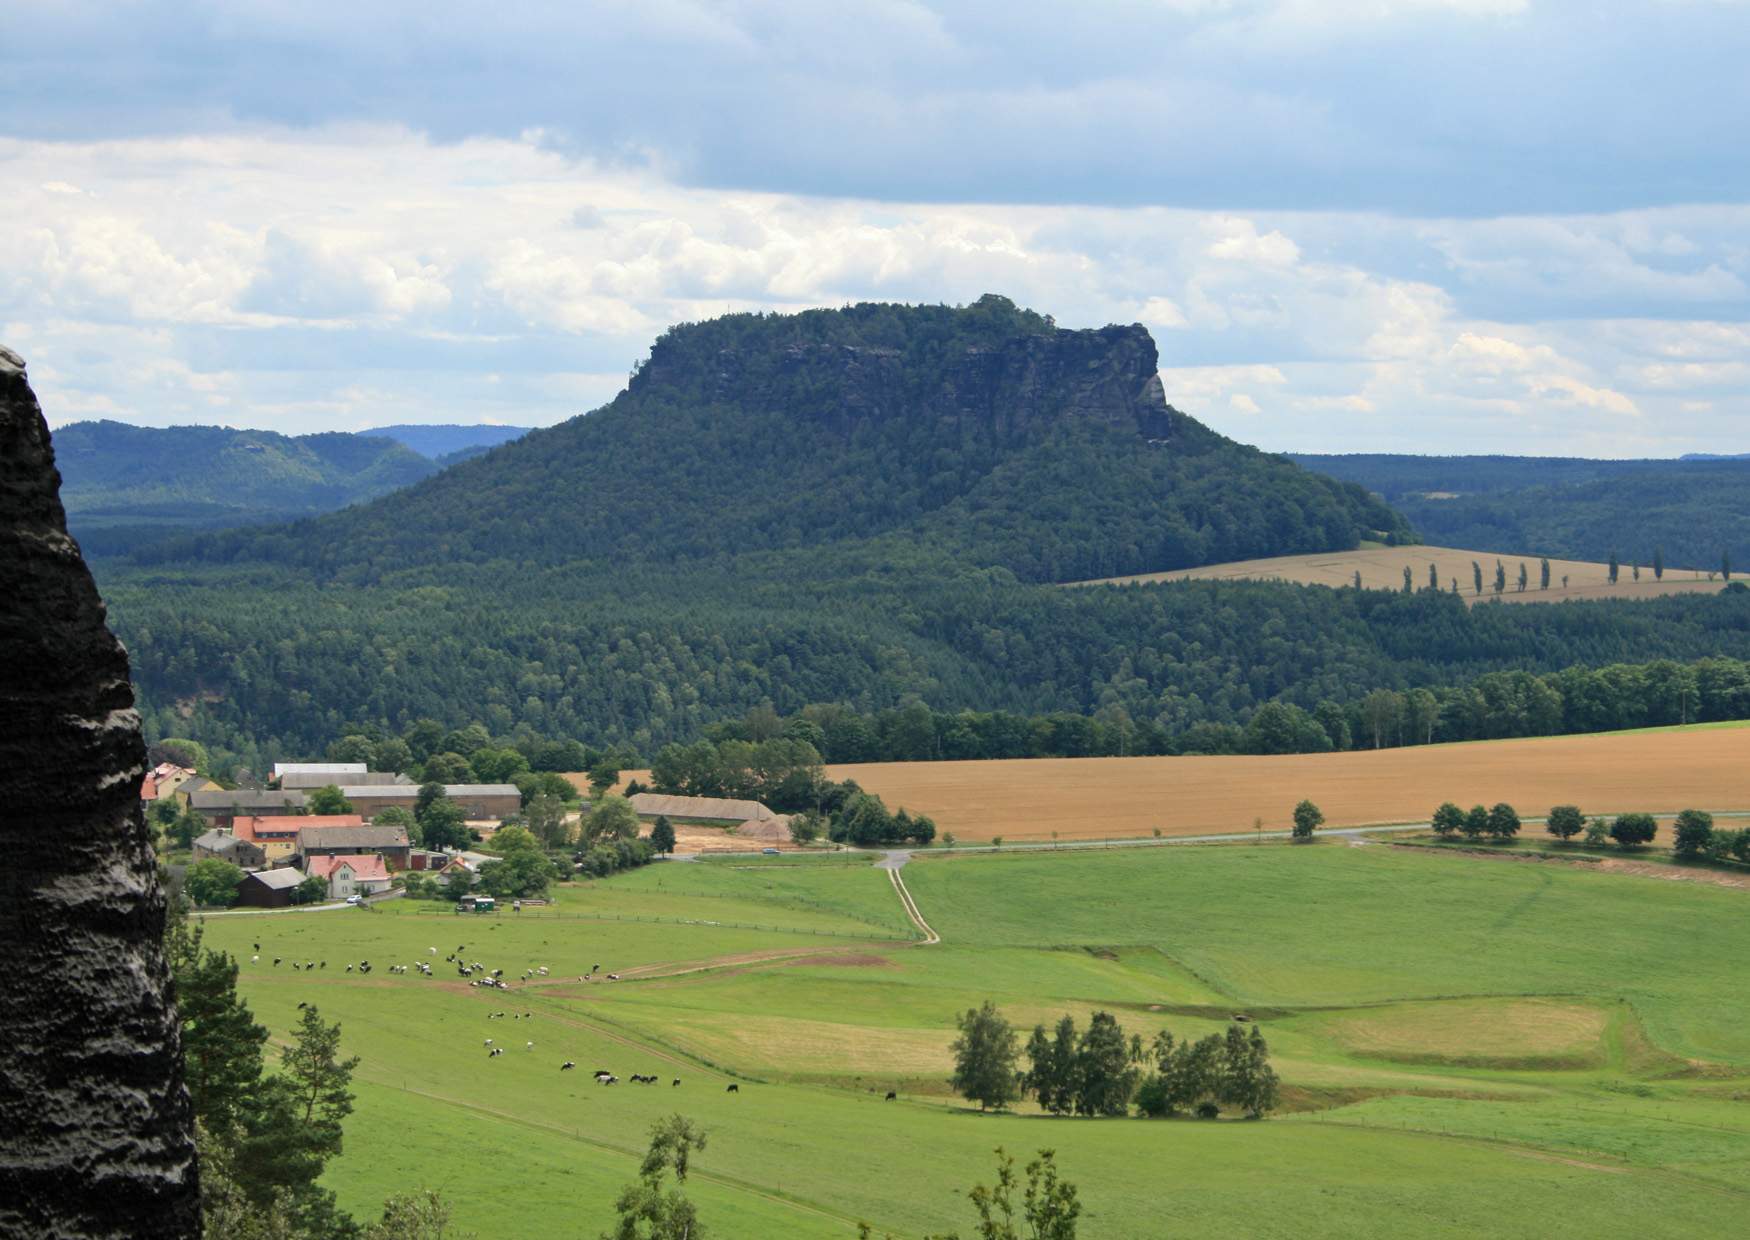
(1691, 511)
(443, 442)
(125, 485)
(983, 435)
(866, 507)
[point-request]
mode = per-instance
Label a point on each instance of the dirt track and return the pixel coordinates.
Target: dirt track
(1094, 798)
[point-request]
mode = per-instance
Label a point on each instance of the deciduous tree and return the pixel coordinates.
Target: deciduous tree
(1565, 822)
(1307, 818)
(984, 1058)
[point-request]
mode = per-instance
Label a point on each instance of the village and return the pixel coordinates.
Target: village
(290, 848)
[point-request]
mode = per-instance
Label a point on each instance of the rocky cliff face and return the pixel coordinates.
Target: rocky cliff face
(1009, 389)
(96, 1134)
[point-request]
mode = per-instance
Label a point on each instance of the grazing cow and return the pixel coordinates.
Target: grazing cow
(613, 977)
(258, 947)
(567, 1066)
(733, 1089)
(255, 960)
(296, 965)
(677, 1081)
(890, 1096)
(323, 965)
(349, 968)
(276, 961)
(528, 1046)
(302, 1006)
(489, 1041)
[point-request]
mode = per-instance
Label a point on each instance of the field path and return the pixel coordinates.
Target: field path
(893, 862)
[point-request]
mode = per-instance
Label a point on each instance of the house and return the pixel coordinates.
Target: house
(350, 875)
(478, 801)
(184, 791)
(163, 780)
(221, 807)
(388, 842)
(331, 772)
(268, 888)
(306, 780)
(277, 834)
(705, 811)
(238, 850)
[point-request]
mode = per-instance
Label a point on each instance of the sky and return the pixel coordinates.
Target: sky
(1450, 226)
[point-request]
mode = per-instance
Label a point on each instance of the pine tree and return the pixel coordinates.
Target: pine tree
(221, 1042)
(662, 834)
(1476, 571)
(1543, 572)
(1658, 563)
(1434, 577)
(1523, 577)
(1615, 568)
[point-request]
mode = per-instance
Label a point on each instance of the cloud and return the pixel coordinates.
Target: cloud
(1221, 105)
(351, 275)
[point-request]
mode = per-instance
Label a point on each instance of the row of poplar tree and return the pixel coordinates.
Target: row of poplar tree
(1098, 1071)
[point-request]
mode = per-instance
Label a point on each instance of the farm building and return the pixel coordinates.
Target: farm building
(478, 801)
(305, 780)
(162, 781)
(184, 790)
(277, 834)
(238, 850)
(332, 772)
(363, 875)
(706, 811)
(221, 807)
(268, 888)
(388, 842)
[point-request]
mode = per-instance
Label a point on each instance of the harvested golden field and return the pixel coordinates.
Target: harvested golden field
(1382, 568)
(1096, 798)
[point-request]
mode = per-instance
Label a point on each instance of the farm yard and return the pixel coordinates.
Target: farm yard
(1028, 799)
(1574, 1040)
(1382, 568)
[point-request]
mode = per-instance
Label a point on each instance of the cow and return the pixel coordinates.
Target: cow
(733, 1089)
(567, 1066)
(890, 1096)
(677, 1080)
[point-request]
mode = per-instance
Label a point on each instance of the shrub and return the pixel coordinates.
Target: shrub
(1566, 821)
(1693, 834)
(1634, 830)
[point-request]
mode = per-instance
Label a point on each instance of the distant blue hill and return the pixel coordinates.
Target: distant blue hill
(438, 442)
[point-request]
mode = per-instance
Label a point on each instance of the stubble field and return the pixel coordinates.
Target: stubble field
(1382, 568)
(1658, 770)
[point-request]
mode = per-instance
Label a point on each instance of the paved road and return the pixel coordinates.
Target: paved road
(300, 908)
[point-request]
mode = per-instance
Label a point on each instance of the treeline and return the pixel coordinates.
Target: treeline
(1696, 838)
(785, 773)
(1692, 512)
(1098, 1071)
(1494, 706)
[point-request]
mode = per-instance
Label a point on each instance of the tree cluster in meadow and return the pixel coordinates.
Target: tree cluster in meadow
(1098, 1071)
(1695, 837)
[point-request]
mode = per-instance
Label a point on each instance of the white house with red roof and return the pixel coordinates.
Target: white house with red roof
(362, 874)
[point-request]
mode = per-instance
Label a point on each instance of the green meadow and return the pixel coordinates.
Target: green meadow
(1467, 1047)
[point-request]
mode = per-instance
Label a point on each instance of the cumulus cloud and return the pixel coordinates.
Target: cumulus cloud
(356, 275)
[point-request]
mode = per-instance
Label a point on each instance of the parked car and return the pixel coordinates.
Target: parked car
(770, 852)
(355, 899)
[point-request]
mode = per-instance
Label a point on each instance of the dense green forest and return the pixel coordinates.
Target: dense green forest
(862, 507)
(127, 486)
(1693, 511)
(446, 442)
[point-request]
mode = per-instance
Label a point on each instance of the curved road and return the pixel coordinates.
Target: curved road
(893, 861)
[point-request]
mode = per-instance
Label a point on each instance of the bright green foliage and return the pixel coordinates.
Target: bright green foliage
(1053, 1074)
(1448, 820)
(1307, 819)
(423, 1215)
(1105, 1078)
(1565, 822)
(984, 1059)
(610, 818)
(646, 1210)
(1048, 1208)
(311, 891)
(213, 883)
(184, 827)
(1634, 830)
(441, 821)
(1693, 833)
(546, 818)
(328, 800)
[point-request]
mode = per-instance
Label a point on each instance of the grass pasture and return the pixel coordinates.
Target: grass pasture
(1027, 799)
(1575, 1041)
(1382, 568)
